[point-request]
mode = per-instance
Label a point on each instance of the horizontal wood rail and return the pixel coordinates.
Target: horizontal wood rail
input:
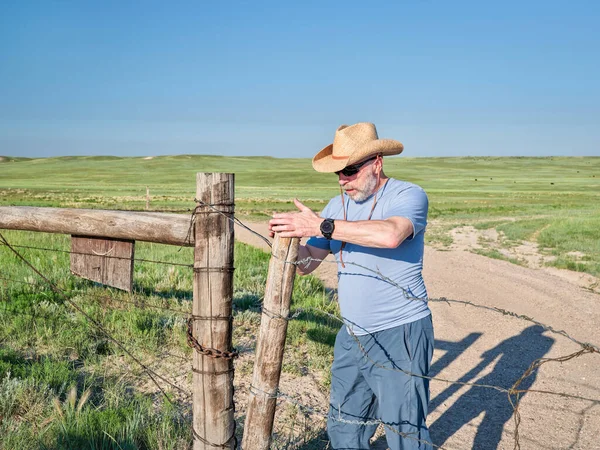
(162, 228)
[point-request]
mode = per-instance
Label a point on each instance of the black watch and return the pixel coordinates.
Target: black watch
(327, 227)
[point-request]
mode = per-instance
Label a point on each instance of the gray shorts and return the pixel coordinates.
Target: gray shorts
(371, 380)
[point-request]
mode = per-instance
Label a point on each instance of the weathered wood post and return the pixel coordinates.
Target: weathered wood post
(271, 343)
(213, 409)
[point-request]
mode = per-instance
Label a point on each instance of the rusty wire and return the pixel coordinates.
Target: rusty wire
(193, 342)
(448, 301)
(106, 300)
(71, 252)
(278, 394)
(32, 315)
(207, 351)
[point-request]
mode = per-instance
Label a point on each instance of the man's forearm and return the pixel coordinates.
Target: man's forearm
(389, 233)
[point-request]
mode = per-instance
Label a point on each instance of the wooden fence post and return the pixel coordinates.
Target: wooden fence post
(271, 343)
(213, 408)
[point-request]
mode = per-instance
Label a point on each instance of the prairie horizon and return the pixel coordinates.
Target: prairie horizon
(552, 199)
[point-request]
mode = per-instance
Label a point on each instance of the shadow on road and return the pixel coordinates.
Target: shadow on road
(512, 357)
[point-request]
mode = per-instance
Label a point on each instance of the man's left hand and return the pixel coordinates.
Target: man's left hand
(304, 223)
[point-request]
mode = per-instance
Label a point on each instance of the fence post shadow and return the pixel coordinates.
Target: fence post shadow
(514, 356)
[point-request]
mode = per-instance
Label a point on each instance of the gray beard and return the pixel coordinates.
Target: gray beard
(367, 191)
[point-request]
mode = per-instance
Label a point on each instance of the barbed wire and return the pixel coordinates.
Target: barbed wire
(34, 315)
(344, 321)
(104, 299)
(392, 428)
(511, 392)
(328, 416)
(14, 280)
(152, 375)
(71, 252)
(229, 217)
(138, 303)
(407, 296)
(168, 211)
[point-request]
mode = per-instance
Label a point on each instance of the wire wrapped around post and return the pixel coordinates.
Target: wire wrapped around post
(210, 327)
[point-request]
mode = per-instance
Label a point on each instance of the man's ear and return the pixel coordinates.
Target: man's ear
(380, 161)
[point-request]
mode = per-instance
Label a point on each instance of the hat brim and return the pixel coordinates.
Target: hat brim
(325, 161)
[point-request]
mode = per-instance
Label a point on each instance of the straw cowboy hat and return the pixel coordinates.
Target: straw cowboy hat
(353, 144)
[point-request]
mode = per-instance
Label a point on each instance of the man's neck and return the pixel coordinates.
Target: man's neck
(382, 180)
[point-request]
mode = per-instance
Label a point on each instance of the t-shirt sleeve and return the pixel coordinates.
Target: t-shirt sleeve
(320, 241)
(411, 203)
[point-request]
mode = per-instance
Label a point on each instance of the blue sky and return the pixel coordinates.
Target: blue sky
(447, 78)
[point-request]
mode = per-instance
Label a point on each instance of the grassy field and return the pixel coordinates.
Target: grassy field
(554, 200)
(65, 385)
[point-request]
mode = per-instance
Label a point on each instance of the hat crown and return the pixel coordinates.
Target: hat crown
(353, 144)
(350, 138)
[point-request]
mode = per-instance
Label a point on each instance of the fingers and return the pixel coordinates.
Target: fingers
(301, 206)
(292, 224)
(283, 215)
(280, 228)
(288, 234)
(285, 229)
(277, 219)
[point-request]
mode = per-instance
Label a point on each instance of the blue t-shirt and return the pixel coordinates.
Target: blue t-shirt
(368, 301)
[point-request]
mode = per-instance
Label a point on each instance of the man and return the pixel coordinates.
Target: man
(375, 230)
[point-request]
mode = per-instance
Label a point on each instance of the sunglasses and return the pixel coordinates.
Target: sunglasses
(354, 168)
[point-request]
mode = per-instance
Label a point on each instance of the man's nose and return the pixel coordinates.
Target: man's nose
(343, 179)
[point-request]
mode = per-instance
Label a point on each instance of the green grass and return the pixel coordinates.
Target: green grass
(458, 187)
(52, 357)
(494, 253)
(573, 241)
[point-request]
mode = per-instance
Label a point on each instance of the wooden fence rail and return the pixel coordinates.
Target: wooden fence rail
(162, 228)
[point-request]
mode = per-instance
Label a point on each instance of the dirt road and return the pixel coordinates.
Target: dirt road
(481, 346)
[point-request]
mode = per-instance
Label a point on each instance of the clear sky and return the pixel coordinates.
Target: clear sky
(447, 78)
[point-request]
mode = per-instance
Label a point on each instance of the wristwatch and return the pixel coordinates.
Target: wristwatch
(327, 227)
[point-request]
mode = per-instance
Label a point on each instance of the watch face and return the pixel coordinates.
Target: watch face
(326, 226)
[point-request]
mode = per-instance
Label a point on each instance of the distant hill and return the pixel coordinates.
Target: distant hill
(5, 159)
